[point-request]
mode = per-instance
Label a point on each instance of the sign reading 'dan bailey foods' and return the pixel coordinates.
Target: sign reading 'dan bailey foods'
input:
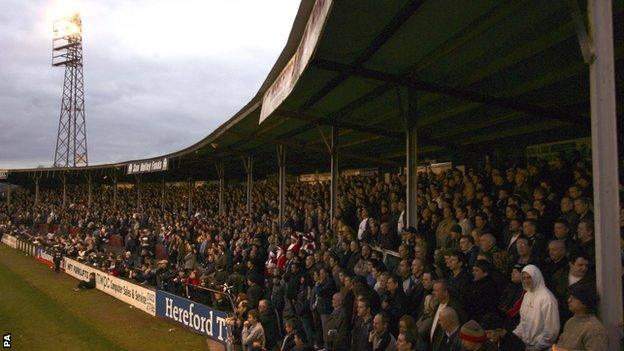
(161, 164)
(201, 319)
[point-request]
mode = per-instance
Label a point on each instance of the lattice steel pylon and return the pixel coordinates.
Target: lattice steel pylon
(71, 140)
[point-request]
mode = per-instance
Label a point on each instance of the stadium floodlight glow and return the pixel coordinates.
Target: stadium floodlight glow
(67, 36)
(67, 27)
(71, 140)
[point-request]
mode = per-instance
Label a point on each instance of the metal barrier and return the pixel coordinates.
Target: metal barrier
(225, 292)
(389, 258)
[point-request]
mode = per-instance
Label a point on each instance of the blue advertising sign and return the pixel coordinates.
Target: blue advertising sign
(201, 319)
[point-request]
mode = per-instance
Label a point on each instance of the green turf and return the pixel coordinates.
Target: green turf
(42, 312)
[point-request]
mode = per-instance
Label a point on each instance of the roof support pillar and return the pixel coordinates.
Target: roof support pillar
(605, 168)
(334, 174)
(8, 198)
(138, 190)
(281, 162)
(162, 194)
(64, 190)
(411, 159)
(248, 163)
(36, 177)
(115, 191)
(89, 190)
(189, 205)
(221, 174)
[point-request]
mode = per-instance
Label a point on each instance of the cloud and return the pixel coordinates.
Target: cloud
(159, 76)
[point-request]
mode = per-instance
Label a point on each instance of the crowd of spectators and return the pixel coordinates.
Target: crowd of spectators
(499, 259)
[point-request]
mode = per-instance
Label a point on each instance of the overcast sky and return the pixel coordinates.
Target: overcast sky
(159, 75)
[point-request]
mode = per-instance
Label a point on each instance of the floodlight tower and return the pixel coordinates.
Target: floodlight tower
(71, 141)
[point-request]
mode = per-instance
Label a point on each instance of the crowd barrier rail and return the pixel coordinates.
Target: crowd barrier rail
(389, 258)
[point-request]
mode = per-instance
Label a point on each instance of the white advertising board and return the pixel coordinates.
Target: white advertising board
(10, 240)
(130, 293)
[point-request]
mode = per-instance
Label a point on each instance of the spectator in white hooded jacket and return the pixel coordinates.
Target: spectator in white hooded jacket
(539, 315)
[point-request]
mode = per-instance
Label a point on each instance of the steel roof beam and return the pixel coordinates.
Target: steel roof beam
(507, 103)
(295, 144)
(388, 31)
(343, 124)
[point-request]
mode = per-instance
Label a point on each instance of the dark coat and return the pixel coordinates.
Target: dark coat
(359, 334)
(509, 304)
(254, 295)
(397, 306)
(458, 285)
(337, 330)
(481, 297)
(348, 304)
(323, 294)
(452, 343)
(352, 261)
(371, 296)
(292, 285)
(549, 268)
(561, 290)
(511, 342)
(269, 324)
(415, 299)
(288, 343)
(439, 333)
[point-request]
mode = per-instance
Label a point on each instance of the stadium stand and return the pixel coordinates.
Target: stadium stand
(495, 250)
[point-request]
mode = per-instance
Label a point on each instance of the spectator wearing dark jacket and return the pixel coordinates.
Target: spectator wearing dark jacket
(555, 261)
(254, 292)
(482, 295)
(563, 280)
(337, 326)
(449, 321)
(293, 284)
(380, 338)
(323, 292)
(394, 304)
(268, 319)
(460, 279)
(362, 326)
(354, 256)
(494, 326)
(360, 287)
(87, 284)
(417, 292)
(442, 294)
(538, 241)
(303, 305)
(348, 298)
(288, 343)
(388, 238)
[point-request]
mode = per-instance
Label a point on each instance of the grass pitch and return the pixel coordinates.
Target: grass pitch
(42, 312)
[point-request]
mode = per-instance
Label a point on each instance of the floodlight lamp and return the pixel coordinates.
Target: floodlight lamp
(68, 26)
